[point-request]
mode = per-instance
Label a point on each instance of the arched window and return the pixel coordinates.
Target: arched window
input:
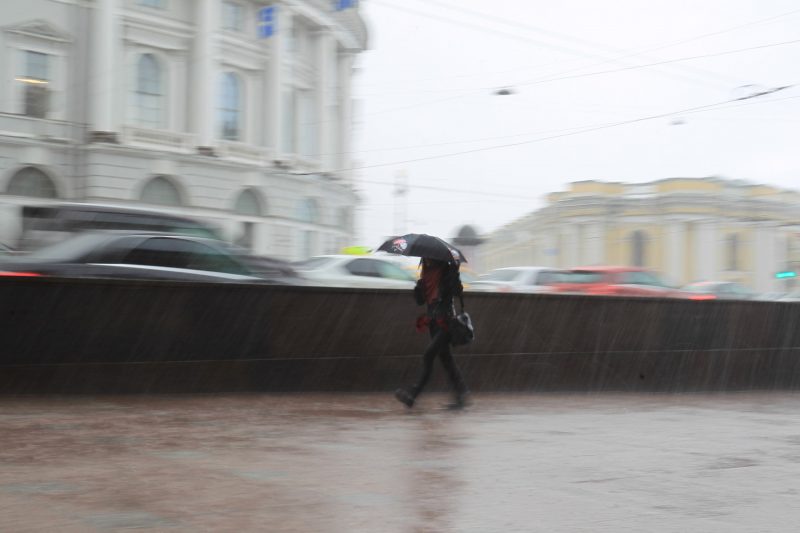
(732, 252)
(30, 181)
(638, 248)
(161, 191)
(149, 92)
(249, 204)
(230, 109)
(308, 210)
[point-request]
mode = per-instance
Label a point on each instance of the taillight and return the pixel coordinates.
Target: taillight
(606, 290)
(702, 297)
(19, 274)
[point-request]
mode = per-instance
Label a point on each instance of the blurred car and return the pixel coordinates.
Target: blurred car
(718, 290)
(793, 296)
(262, 266)
(467, 275)
(771, 296)
(355, 271)
(529, 279)
(615, 281)
(137, 255)
(47, 224)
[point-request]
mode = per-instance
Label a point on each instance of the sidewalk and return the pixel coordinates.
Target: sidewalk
(362, 463)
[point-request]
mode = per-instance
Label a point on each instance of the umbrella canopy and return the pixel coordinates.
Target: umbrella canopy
(422, 245)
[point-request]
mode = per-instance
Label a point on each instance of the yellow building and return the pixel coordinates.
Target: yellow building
(689, 229)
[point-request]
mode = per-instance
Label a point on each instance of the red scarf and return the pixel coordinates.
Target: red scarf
(431, 277)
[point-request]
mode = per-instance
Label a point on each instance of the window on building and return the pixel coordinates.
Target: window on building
(232, 16)
(149, 92)
(732, 252)
(230, 110)
(248, 204)
(161, 191)
(308, 211)
(37, 66)
(30, 181)
(340, 5)
(266, 22)
(35, 77)
(158, 4)
(638, 248)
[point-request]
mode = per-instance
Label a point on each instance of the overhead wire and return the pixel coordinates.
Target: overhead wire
(504, 34)
(627, 54)
(594, 45)
(583, 75)
(664, 62)
(525, 134)
(588, 129)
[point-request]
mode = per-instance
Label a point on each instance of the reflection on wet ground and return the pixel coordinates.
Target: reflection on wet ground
(353, 463)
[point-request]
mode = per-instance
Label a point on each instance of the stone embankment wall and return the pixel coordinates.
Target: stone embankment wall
(90, 336)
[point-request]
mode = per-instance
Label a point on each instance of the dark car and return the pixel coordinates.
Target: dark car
(141, 255)
(262, 266)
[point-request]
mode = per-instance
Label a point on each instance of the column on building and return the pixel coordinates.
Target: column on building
(345, 119)
(706, 249)
(204, 80)
(594, 247)
(675, 250)
(288, 99)
(104, 72)
(552, 252)
(578, 244)
(275, 45)
(324, 60)
(766, 258)
(782, 260)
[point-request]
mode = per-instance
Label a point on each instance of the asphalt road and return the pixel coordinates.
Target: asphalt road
(363, 463)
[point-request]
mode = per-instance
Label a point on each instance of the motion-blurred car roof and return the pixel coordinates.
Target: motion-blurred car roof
(144, 255)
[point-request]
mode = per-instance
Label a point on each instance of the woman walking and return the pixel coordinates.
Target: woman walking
(438, 285)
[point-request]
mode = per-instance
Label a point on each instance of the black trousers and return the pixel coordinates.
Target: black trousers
(439, 346)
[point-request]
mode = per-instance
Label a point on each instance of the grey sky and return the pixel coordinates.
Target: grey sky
(425, 89)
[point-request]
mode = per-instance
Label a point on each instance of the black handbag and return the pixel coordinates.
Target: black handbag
(461, 329)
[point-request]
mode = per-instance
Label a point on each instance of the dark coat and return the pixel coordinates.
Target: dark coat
(450, 287)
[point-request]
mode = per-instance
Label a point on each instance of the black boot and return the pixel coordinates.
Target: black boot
(405, 397)
(463, 399)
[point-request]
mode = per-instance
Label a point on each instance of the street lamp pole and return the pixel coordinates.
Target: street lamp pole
(400, 202)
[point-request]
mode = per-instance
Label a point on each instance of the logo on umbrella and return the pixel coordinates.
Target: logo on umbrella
(399, 245)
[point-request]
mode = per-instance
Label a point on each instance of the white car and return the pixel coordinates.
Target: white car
(355, 271)
(529, 279)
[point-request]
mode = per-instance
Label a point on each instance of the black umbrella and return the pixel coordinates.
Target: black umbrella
(422, 245)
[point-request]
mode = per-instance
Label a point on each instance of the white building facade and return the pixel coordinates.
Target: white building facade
(236, 112)
(688, 229)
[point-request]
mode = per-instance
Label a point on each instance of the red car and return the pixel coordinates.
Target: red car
(615, 281)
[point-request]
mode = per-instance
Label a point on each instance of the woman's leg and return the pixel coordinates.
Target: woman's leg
(450, 366)
(438, 343)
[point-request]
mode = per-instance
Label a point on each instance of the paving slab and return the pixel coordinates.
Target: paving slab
(364, 463)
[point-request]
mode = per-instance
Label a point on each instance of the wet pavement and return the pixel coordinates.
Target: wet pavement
(362, 463)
